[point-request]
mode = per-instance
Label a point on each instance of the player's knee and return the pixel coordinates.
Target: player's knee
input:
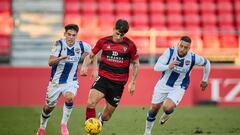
(48, 109)
(69, 98)
(91, 104)
(168, 109)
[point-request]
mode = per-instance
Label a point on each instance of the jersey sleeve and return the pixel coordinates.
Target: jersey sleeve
(98, 46)
(199, 60)
(162, 62)
(87, 47)
(133, 52)
(55, 51)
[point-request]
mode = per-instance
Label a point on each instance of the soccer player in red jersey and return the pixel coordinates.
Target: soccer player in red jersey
(118, 52)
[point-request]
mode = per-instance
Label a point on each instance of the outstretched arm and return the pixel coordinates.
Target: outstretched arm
(90, 58)
(206, 72)
(131, 86)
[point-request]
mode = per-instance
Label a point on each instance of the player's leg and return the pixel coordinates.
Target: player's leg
(94, 97)
(170, 103)
(107, 112)
(113, 96)
(67, 110)
(157, 99)
(52, 96)
(151, 116)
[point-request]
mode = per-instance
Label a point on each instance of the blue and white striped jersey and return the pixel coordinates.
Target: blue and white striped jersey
(180, 75)
(66, 70)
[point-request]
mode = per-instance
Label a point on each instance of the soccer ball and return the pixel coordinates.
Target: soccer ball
(93, 126)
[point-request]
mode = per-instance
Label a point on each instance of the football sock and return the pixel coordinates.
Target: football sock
(90, 113)
(67, 109)
(151, 116)
(44, 119)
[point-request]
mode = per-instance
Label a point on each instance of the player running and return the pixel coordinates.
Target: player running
(176, 65)
(63, 60)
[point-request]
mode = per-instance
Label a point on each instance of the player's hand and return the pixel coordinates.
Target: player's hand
(203, 85)
(131, 87)
(83, 71)
(174, 64)
(63, 57)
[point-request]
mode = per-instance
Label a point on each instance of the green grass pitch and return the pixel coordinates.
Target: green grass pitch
(201, 120)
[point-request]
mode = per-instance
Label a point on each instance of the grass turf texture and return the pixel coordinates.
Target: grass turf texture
(204, 120)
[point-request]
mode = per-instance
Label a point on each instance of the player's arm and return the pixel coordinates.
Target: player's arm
(135, 68)
(53, 60)
(90, 58)
(162, 65)
(201, 61)
(206, 72)
(54, 57)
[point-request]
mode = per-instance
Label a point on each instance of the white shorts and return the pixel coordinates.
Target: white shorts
(54, 91)
(161, 92)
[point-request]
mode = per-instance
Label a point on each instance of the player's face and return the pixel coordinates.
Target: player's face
(183, 48)
(70, 36)
(117, 36)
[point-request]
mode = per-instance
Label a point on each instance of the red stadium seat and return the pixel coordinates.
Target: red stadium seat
(106, 7)
(122, 7)
(140, 21)
(106, 21)
(237, 19)
(229, 41)
(193, 29)
(174, 7)
(126, 16)
(226, 19)
(156, 7)
(125, 1)
(158, 20)
(227, 29)
(207, 7)
(162, 42)
(209, 19)
(224, 7)
(5, 6)
(142, 44)
(211, 41)
(89, 7)
(4, 45)
(139, 7)
(72, 7)
(73, 18)
(173, 19)
(190, 8)
(237, 6)
(210, 30)
(191, 19)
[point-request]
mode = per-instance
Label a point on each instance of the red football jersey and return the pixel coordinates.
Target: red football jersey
(115, 58)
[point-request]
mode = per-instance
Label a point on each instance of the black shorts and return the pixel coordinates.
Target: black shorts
(112, 90)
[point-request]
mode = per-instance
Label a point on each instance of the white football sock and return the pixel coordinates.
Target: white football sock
(149, 125)
(67, 109)
(44, 119)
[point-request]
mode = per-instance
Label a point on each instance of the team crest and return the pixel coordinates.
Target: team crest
(77, 50)
(187, 62)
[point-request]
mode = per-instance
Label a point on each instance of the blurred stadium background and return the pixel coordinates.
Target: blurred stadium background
(28, 29)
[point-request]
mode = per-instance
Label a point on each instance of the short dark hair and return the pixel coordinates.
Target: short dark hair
(122, 26)
(186, 39)
(72, 27)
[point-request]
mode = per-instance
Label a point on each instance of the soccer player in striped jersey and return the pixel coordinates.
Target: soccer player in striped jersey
(176, 65)
(64, 59)
(118, 52)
